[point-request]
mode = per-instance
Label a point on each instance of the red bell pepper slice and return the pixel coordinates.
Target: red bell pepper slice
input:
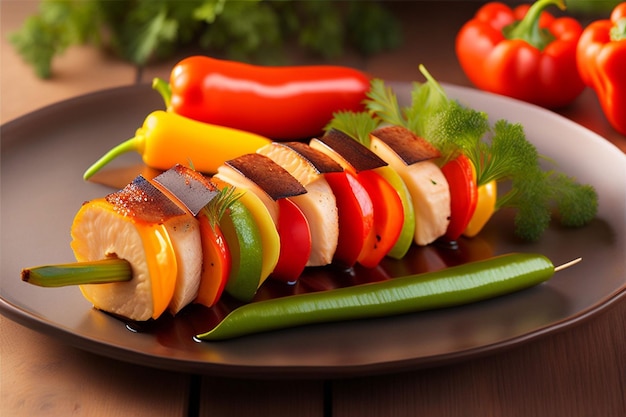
(461, 177)
(388, 218)
(524, 53)
(295, 242)
(356, 216)
(216, 262)
(601, 58)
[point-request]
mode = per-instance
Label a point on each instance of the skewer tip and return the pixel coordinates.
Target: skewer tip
(567, 264)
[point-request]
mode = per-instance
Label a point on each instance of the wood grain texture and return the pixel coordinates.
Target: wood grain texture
(42, 377)
(580, 372)
(226, 397)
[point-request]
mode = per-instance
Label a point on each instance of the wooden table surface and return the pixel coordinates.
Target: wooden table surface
(579, 371)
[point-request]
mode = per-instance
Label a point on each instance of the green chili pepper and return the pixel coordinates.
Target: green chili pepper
(444, 288)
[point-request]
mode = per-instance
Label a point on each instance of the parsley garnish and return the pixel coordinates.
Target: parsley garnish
(499, 152)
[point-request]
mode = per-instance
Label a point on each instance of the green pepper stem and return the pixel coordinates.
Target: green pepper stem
(528, 28)
(133, 144)
(79, 273)
(163, 88)
(618, 31)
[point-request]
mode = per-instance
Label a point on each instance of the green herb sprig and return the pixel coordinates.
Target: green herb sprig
(218, 205)
(499, 152)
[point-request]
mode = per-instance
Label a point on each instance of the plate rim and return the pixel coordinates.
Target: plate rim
(18, 315)
(40, 324)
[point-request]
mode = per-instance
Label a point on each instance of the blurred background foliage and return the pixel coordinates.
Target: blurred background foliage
(142, 31)
(256, 31)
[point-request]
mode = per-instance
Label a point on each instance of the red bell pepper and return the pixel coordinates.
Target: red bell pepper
(525, 53)
(461, 177)
(356, 216)
(216, 262)
(282, 103)
(388, 218)
(295, 242)
(601, 58)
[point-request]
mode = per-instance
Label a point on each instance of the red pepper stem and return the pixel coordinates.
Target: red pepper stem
(135, 144)
(528, 28)
(618, 31)
(163, 88)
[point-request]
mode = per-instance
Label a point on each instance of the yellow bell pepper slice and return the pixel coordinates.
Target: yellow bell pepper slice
(485, 207)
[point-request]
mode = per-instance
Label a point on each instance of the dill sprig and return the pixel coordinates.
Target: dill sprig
(499, 152)
(218, 205)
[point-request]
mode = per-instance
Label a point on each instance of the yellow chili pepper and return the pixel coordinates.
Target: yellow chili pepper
(167, 139)
(485, 207)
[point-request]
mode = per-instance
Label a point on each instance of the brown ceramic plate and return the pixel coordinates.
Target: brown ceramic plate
(45, 153)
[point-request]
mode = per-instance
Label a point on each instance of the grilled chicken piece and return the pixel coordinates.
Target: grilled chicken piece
(160, 241)
(413, 158)
(318, 204)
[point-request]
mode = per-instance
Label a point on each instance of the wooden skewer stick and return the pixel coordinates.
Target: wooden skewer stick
(107, 271)
(567, 264)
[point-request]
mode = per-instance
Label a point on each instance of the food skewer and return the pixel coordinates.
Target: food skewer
(146, 208)
(111, 270)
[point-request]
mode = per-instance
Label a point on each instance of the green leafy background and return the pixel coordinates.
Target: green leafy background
(142, 31)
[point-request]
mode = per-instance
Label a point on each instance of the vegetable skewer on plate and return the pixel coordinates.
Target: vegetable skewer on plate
(488, 168)
(169, 204)
(137, 206)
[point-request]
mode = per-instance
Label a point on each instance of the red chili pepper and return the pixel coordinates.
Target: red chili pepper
(282, 103)
(601, 59)
(525, 53)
